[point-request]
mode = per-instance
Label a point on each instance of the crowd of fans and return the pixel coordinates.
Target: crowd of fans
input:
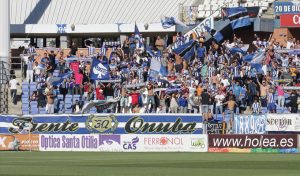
(215, 82)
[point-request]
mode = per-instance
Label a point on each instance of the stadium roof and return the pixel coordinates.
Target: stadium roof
(93, 11)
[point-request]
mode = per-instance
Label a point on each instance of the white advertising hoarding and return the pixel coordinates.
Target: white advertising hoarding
(124, 143)
(283, 122)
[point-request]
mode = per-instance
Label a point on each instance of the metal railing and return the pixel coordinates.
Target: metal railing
(4, 86)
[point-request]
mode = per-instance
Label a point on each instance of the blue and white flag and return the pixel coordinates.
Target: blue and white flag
(56, 81)
(217, 35)
(190, 54)
(137, 35)
(235, 50)
(157, 68)
(102, 50)
(258, 58)
(168, 22)
(183, 49)
(99, 71)
(255, 60)
(238, 17)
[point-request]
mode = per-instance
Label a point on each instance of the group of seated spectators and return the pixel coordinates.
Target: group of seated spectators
(214, 82)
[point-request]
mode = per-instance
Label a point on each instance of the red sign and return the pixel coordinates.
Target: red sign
(290, 20)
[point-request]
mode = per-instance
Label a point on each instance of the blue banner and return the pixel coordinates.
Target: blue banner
(100, 70)
(103, 124)
(286, 7)
(249, 124)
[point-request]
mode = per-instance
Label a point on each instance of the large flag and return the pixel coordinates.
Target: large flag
(183, 49)
(56, 81)
(190, 54)
(254, 58)
(99, 71)
(137, 35)
(168, 22)
(238, 17)
(156, 68)
(235, 50)
(217, 35)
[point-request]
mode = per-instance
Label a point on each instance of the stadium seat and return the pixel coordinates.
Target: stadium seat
(42, 111)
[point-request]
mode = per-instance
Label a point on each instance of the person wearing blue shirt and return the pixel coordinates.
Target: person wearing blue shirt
(132, 44)
(201, 52)
(237, 90)
(183, 104)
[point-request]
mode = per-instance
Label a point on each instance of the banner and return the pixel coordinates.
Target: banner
(283, 122)
(249, 124)
(100, 70)
(104, 123)
(253, 150)
(209, 22)
(19, 142)
(290, 20)
(189, 15)
(216, 128)
(123, 143)
(164, 143)
(286, 7)
(252, 141)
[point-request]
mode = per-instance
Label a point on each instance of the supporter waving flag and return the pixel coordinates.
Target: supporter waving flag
(185, 48)
(100, 70)
(217, 35)
(157, 68)
(168, 22)
(137, 35)
(238, 17)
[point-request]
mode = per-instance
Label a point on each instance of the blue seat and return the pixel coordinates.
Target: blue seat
(42, 111)
(25, 112)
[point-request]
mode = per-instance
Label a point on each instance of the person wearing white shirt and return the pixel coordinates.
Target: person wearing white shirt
(13, 84)
(264, 68)
(225, 81)
(289, 43)
(219, 98)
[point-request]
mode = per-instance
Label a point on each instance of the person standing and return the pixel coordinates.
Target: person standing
(160, 44)
(205, 104)
(50, 101)
(13, 84)
(29, 71)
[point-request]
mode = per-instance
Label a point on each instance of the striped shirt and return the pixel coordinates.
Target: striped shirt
(31, 50)
(256, 107)
(235, 71)
(271, 98)
(91, 50)
(211, 71)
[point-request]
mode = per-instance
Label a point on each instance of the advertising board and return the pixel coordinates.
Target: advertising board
(249, 124)
(104, 124)
(290, 20)
(19, 142)
(279, 141)
(216, 127)
(123, 143)
(286, 7)
(283, 122)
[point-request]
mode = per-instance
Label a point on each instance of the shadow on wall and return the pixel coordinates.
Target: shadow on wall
(37, 12)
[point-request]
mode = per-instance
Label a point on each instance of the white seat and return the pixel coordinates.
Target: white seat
(214, 7)
(201, 14)
(207, 13)
(201, 7)
(216, 14)
(207, 7)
